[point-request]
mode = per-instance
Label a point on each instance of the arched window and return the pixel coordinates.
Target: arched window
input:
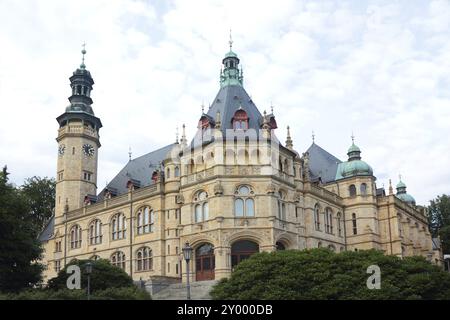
(244, 204)
(352, 190)
(339, 224)
(177, 171)
(317, 217)
(168, 173)
(281, 206)
(201, 210)
(240, 120)
(75, 237)
(328, 221)
(144, 259)
(95, 232)
(280, 164)
(332, 247)
(355, 229)
(400, 227)
(145, 220)
(363, 189)
(319, 245)
(118, 226)
(118, 259)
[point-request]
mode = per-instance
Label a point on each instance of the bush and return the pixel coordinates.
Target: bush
(323, 274)
(104, 276)
(130, 293)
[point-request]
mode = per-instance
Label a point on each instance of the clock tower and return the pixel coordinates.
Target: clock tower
(78, 144)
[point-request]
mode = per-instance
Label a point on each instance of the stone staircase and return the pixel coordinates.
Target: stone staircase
(177, 291)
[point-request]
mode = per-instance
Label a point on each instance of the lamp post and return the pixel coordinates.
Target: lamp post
(187, 253)
(88, 271)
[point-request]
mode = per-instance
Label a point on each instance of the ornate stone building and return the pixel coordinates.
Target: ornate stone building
(233, 190)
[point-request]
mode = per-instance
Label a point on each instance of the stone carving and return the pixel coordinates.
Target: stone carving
(271, 188)
(218, 189)
(256, 170)
(179, 199)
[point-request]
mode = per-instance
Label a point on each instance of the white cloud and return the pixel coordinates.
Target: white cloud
(377, 68)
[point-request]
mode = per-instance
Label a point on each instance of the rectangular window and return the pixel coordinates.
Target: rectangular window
(168, 268)
(176, 268)
(57, 265)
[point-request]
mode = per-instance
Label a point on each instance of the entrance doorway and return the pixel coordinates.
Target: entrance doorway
(204, 262)
(242, 250)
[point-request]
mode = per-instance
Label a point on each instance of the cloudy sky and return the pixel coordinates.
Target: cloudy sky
(378, 68)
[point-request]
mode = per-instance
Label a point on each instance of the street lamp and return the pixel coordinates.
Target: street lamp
(88, 271)
(187, 253)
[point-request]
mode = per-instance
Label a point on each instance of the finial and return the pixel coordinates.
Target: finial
(271, 107)
(83, 52)
(391, 190)
(129, 153)
(230, 41)
(353, 138)
(183, 136)
(289, 142)
(176, 140)
(203, 107)
(400, 177)
(265, 113)
(313, 136)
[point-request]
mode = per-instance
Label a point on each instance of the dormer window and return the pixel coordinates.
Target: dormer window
(240, 120)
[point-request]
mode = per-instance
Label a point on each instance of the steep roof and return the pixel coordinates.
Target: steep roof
(138, 169)
(47, 233)
(322, 164)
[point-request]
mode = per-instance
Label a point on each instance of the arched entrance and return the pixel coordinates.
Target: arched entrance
(242, 250)
(280, 245)
(204, 262)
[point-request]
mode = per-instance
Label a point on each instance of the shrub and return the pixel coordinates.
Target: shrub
(323, 274)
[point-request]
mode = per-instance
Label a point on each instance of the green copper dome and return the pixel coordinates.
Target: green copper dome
(401, 184)
(354, 166)
(406, 198)
(230, 54)
(353, 148)
(403, 195)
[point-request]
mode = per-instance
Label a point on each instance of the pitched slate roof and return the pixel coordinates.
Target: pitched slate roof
(47, 233)
(322, 164)
(227, 101)
(140, 169)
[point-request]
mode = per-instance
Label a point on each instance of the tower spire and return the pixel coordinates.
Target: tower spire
(313, 136)
(183, 136)
(289, 142)
(176, 139)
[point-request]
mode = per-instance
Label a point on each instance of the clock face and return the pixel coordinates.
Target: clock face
(61, 149)
(88, 150)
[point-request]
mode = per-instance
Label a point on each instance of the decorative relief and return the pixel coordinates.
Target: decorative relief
(256, 170)
(297, 197)
(243, 171)
(209, 172)
(271, 188)
(229, 170)
(179, 199)
(218, 189)
(200, 176)
(191, 178)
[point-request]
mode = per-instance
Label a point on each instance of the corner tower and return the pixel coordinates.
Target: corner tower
(78, 143)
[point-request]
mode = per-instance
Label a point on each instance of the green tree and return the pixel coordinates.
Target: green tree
(40, 194)
(439, 220)
(19, 246)
(322, 274)
(104, 276)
